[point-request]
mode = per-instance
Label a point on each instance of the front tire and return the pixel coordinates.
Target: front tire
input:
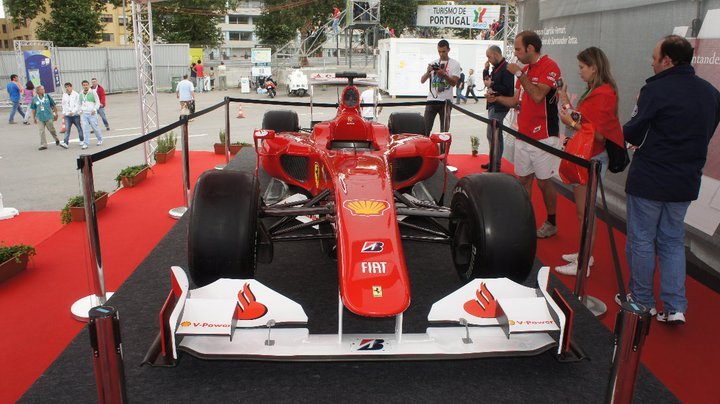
(223, 227)
(493, 228)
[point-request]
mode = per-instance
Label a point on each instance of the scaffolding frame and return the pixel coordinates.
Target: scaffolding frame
(143, 39)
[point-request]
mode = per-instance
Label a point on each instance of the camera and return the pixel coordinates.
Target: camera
(575, 115)
(436, 66)
(559, 82)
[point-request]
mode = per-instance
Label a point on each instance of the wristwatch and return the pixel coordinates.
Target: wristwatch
(518, 73)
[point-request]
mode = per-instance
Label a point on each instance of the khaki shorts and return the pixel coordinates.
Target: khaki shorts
(531, 160)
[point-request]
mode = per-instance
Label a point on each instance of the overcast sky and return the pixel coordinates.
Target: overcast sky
(2, 9)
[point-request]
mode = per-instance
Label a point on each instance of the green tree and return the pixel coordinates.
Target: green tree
(190, 21)
(399, 15)
(280, 20)
(71, 22)
(82, 15)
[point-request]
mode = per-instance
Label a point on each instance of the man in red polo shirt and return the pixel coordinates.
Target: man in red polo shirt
(538, 119)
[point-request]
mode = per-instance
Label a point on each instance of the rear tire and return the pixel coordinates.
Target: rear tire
(492, 227)
(223, 227)
(406, 122)
(300, 92)
(281, 121)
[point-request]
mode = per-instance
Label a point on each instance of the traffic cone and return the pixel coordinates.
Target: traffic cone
(62, 128)
(240, 112)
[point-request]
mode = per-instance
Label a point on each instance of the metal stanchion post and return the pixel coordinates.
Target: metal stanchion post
(595, 305)
(176, 213)
(632, 325)
(494, 147)
(227, 135)
(82, 306)
(104, 330)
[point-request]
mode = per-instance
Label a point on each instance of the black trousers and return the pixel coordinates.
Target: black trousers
(432, 109)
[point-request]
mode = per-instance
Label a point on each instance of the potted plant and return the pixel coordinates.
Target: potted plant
(74, 210)
(474, 145)
(132, 175)
(13, 259)
(220, 147)
(165, 147)
(235, 147)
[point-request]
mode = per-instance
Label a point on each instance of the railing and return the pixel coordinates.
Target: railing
(632, 322)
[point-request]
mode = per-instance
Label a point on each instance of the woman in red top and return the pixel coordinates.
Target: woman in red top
(597, 106)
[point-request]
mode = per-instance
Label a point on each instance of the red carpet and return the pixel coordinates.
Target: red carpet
(133, 222)
(684, 358)
(136, 219)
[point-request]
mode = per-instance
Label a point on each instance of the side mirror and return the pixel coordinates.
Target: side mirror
(261, 134)
(442, 137)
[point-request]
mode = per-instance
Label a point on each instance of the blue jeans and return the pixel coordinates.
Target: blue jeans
(657, 228)
(200, 84)
(101, 112)
(70, 121)
(15, 107)
(500, 117)
(90, 121)
(459, 95)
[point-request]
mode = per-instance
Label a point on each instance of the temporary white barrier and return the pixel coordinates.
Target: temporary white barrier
(404, 60)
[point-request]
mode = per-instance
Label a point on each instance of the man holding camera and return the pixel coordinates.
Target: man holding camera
(444, 74)
(499, 82)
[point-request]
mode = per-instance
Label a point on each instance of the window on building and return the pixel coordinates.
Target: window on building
(106, 37)
(107, 18)
(240, 36)
(4, 29)
(238, 19)
(7, 44)
(122, 21)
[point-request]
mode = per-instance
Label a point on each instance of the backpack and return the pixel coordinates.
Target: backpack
(618, 156)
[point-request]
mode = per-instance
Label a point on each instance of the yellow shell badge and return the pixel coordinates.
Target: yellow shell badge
(360, 207)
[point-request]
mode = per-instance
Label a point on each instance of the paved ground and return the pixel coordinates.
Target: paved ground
(32, 180)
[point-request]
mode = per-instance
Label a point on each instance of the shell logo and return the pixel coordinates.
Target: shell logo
(512, 322)
(366, 207)
(185, 324)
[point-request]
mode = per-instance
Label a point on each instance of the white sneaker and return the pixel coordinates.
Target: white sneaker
(546, 230)
(84, 146)
(570, 269)
(99, 143)
(673, 317)
(63, 145)
(570, 257)
(653, 311)
(574, 257)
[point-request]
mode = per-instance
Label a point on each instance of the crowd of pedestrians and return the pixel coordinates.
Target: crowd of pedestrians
(79, 110)
(676, 115)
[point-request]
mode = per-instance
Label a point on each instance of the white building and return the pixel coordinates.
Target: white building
(239, 31)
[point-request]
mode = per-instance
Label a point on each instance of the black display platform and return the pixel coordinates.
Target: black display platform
(304, 274)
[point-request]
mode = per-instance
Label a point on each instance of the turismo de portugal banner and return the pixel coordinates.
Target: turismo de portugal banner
(475, 17)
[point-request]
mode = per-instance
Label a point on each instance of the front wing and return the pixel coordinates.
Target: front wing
(244, 319)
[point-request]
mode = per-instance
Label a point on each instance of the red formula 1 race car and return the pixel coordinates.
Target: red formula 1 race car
(357, 186)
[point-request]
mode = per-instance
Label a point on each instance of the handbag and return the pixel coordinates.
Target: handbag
(618, 156)
(581, 146)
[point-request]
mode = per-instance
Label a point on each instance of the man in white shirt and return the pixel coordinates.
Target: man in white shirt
(444, 74)
(71, 110)
(222, 77)
(89, 105)
(186, 94)
(368, 97)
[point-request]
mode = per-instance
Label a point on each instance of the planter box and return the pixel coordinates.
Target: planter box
(162, 158)
(10, 268)
(129, 182)
(78, 213)
(220, 148)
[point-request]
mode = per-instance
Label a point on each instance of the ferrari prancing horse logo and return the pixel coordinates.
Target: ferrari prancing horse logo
(360, 207)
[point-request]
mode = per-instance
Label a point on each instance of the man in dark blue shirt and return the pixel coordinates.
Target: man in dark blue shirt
(13, 89)
(675, 117)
